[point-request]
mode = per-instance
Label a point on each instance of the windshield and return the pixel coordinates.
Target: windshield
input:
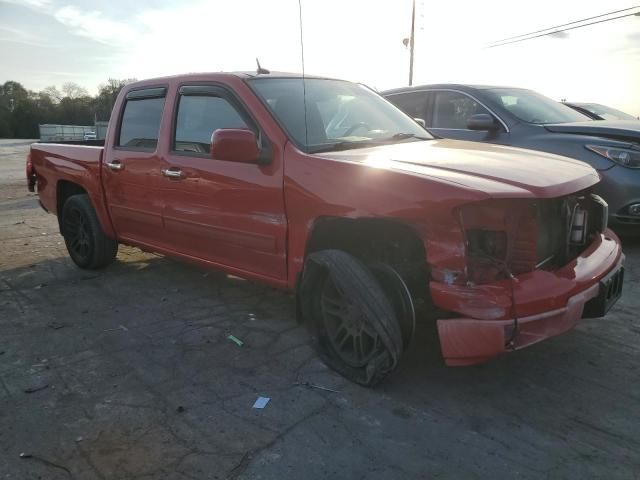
(605, 112)
(340, 114)
(531, 107)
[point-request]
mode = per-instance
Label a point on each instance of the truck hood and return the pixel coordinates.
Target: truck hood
(498, 171)
(628, 130)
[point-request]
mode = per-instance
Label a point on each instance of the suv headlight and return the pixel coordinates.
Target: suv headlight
(623, 156)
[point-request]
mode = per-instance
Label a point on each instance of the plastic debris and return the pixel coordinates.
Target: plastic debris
(36, 389)
(57, 325)
(46, 462)
(119, 327)
(235, 340)
(319, 387)
(261, 402)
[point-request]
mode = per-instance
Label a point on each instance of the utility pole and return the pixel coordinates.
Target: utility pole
(413, 27)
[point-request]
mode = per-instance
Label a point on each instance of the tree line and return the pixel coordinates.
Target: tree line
(22, 110)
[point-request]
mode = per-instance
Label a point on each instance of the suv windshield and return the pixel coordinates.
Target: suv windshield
(532, 107)
(605, 112)
(339, 114)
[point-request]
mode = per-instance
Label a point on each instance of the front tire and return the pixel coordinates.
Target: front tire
(88, 246)
(352, 322)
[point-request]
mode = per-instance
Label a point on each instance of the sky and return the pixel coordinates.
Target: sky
(50, 42)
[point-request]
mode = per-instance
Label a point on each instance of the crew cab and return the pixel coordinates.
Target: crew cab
(323, 187)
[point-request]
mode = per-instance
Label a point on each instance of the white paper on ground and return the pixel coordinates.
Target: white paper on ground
(261, 402)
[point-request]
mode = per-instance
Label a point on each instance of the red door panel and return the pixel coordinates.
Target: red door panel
(133, 195)
(132, 169)
(228, 213)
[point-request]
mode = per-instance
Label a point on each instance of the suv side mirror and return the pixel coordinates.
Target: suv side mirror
(235, 145)
(482, 121)
(421, 122)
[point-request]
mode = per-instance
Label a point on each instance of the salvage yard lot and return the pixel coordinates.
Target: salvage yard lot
(132, 375)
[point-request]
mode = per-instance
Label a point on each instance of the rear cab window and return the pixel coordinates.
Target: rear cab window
(141, 117)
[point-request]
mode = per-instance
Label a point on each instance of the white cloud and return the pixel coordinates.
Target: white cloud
(202, 36)
(14, 35)
(36, 4)
(356, 39)
(93, 25)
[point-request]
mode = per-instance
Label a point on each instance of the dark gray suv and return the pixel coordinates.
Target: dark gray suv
(524, 118)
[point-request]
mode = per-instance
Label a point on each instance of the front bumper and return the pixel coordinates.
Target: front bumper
(620, 187)
(546, 304)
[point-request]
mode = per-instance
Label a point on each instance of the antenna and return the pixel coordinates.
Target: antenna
(261, 70)
(304, 87)
(411, 42)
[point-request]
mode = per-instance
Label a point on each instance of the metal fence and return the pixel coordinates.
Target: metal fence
(58, 133)
(101, 130)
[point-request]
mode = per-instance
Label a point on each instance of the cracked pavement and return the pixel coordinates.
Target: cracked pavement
(132, 377)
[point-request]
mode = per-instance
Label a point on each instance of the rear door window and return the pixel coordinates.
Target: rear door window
(453, 110)
(141, 123)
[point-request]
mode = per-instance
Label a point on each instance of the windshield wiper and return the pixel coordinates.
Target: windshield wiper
(347, 145)
(344, 146)
(403, 136)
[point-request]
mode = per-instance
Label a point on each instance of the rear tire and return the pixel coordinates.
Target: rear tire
(88, 246)
(352, 322)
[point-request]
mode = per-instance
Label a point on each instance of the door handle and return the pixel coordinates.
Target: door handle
(115, 165)
(172, 172)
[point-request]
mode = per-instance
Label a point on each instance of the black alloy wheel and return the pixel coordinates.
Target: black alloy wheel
(350, 317)
(86, 242)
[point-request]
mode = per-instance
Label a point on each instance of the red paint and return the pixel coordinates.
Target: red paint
(254, 220)
(235, 145)
(547, 304)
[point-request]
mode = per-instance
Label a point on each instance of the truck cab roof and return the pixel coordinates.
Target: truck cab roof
(220, 76)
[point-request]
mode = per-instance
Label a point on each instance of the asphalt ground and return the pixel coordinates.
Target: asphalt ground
(127, 373)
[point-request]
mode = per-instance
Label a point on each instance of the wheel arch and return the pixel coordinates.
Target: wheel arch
(372, 239)
(64, 190)
(67, 188)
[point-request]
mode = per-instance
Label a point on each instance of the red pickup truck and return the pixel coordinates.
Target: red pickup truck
(323, 187)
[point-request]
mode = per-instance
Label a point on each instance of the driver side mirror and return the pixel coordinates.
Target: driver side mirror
(482, 121)
(235, 145)
(421, 122)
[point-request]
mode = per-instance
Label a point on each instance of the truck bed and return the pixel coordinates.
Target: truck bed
(56, 163)
(88, 143)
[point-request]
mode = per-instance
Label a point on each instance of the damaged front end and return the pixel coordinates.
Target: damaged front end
(511, 237)
(530, 267)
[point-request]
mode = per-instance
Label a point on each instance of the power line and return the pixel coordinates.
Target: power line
(566, 24)
(562, 30)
